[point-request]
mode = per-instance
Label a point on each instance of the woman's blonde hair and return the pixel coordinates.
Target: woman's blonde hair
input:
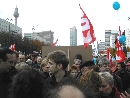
(44, 63)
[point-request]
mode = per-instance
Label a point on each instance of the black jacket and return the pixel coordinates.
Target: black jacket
(125, 77)
(118, 83)
(51, 82)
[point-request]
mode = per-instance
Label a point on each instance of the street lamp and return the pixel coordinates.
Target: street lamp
(33, 29)
(9, 31)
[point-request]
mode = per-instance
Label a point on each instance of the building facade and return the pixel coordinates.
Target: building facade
(127, 34)
(7, 26)
(73, 36)
(110, 37)
(44, 36)
(28, 35)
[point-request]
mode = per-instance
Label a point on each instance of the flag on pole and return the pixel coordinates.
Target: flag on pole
(12, 47)
(120, 56)
(110, 59)
(87, 30)
(54, 44)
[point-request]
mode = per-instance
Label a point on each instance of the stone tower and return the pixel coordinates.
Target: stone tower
(16, 15)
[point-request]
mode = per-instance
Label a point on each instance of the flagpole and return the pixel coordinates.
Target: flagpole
(69, 59)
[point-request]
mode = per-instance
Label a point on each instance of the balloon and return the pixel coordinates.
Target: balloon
(116, 5)
(122, 39)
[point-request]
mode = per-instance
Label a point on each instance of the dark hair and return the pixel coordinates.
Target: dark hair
(78, 56)
(27, 84)
(122, 64)
(59, 57)
(4, 54)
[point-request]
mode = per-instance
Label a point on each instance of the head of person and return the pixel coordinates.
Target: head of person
(43, 65)
(74, 71)
(69, 88)
(104, 64)
(39, 60)
(120, 65)
(107, 83)
(77, 62)
(8, 56)
(27, 84)
(21, 58)
(87, 66)
(57, 60)
(23, 66)
(29, 61)
(91, 79)
(78, 56)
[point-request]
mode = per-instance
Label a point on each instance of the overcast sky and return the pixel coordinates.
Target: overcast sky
(60, 15)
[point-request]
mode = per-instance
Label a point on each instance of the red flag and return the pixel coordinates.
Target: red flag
(12, 47)
(54, 44)
(117, 39)
(109, 57)
(120, 56)
(87, 30)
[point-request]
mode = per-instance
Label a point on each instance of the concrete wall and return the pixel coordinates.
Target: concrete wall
(70, 51)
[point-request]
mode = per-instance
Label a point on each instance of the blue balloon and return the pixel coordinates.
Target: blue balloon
(122, 39)
(116, 5)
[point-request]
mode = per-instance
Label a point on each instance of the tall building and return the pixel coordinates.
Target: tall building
(73, 36)
(44, 36)
(16, 15)
(101, 46)
(28, 35)
(7, 26)
(110, 37)
(127, 34)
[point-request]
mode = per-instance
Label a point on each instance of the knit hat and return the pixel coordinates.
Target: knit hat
(87, 64)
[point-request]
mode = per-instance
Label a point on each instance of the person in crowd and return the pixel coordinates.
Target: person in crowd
(107, 88)
(128, 66)
(77, 62)
(29, 62)
(16, 57)
(124, 75)
(38, 63)
(7, 70)
(91, 79)
(27, 84)
(44, 68)
(19, 64)
(125, 95)
(23, 66)
(79, 56)
(104, 66)
(86, 66)
(21, 58)
(69, 88)
(57, 64)
(74, 71)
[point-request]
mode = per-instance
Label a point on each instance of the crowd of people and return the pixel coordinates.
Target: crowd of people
(47, 77)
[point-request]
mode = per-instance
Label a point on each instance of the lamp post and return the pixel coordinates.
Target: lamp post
(33, 29)
(9, 31)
